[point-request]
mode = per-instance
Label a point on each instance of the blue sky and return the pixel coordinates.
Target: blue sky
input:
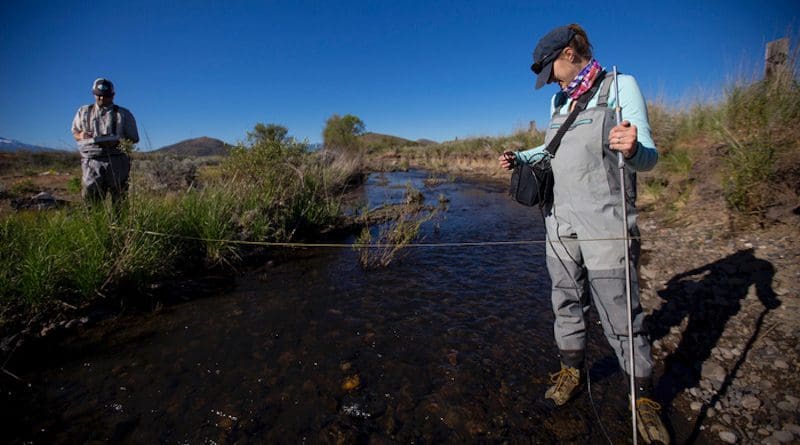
(416, 69)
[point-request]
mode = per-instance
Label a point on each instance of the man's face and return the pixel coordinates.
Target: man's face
(104, 100)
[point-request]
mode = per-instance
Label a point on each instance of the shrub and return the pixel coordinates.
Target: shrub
(341, 133)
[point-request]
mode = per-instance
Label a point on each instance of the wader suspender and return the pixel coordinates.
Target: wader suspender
(114, 112)
(580, 106)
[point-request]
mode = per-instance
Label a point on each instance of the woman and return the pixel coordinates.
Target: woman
(587, 207)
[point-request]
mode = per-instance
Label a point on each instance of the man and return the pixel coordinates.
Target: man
(99, 129)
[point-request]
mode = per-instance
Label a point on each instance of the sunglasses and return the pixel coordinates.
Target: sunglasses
(539, 66)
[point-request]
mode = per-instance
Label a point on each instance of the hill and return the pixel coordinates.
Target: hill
(11, 145)
(202, 146)
(377, 140)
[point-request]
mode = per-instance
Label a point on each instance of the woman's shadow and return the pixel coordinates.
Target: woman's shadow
(709, 296)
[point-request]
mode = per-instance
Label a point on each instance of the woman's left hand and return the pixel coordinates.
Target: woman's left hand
(623, 138)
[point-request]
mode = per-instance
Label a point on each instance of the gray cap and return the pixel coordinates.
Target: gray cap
(102, 87)
(547, 51)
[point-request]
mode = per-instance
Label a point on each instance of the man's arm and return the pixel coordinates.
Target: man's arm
(130, 132)
(78, 132)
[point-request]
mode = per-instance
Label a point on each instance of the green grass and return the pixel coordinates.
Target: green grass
(752, 125)
(23, 187)
(678, 161)
(78, 252)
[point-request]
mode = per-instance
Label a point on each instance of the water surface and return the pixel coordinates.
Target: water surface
(446, 345)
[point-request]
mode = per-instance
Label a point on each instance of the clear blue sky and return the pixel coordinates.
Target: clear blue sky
(416, 69)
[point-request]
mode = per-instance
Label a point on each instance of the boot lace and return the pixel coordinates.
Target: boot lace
(562, 377)
(649, 411)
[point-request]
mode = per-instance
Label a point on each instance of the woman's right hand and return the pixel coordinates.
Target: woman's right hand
(507, 160)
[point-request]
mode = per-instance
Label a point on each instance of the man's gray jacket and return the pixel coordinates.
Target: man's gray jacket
(109, 124)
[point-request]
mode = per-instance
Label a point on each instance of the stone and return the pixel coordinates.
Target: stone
(713, 371)
(782, 436)
(726, 418)
(696, 406)
(751, 402)
(785, 406)
(728, 437)
(794, 428)
(780, 364)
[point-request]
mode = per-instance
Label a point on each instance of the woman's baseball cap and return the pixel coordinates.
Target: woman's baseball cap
(547, 51)
(102, 87)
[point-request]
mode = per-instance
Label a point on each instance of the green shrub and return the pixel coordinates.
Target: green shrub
(677, 161)
(74, 185)
(23, 187)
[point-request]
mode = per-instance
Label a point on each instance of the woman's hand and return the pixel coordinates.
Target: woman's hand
(507, 160)
(624, 139)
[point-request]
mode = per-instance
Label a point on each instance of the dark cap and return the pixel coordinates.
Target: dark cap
(102, 87)
(546, 52)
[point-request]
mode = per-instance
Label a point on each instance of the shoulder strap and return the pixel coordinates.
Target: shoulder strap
(605, 89)
(114, 113)
(580, 106)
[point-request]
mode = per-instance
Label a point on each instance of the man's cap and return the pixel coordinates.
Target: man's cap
(547, 51)
(102, 87)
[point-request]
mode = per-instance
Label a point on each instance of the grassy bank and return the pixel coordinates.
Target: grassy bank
(743, 148)
(75, 253)
(463, 156)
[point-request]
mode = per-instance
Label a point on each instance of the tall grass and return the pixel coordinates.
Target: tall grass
(753, 125)
(79, 252)
(758, 121)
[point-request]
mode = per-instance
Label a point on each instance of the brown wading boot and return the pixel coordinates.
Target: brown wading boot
(566, 383)
(648, 422)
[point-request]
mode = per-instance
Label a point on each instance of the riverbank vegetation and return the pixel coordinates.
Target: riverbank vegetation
(271, 189)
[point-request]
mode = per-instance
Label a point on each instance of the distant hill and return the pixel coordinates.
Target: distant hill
(11, 145)
(202, 146)
(377, 140)
(426, 142)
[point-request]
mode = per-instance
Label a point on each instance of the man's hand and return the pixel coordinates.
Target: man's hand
(82, 135)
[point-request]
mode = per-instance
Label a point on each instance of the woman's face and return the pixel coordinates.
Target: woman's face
(566, 67)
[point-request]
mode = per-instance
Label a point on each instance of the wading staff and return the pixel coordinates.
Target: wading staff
(625, 236)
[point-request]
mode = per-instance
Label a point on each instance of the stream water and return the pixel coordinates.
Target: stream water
(445, 345)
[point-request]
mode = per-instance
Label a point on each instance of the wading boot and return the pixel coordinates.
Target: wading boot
(566, 383)
(648, 422)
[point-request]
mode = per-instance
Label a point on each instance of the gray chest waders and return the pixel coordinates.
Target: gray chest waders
(588, 199)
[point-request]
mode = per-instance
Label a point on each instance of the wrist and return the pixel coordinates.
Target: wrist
(633, 152)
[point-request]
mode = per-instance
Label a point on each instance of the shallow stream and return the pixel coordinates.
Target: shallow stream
(445, 345)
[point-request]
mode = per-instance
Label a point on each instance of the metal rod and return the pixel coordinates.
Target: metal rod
(625, 235)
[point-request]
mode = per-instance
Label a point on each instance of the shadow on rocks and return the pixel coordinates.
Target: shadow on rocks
(710, 296)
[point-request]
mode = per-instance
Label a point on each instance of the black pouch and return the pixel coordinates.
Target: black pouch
(532, 184)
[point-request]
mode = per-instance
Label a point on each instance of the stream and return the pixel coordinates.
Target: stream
(449, 344)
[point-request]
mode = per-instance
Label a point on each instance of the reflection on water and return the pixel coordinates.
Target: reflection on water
(447, 345)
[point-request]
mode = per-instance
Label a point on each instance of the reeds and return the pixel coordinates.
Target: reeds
(378, 247)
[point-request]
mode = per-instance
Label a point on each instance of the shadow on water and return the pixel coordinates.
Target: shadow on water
(447, 345)
(708, 296)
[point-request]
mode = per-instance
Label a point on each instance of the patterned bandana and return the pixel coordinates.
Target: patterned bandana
(583, 81)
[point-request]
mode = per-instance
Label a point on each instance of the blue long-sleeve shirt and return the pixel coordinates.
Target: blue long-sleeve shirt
(634, 110)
